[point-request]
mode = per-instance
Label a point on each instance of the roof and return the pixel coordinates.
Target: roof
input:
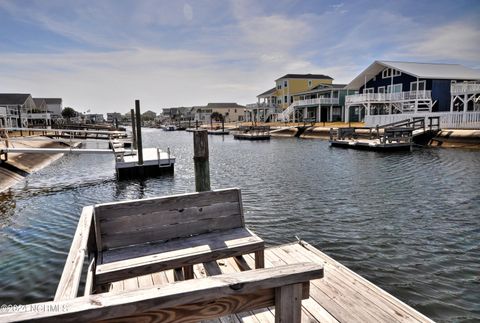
(420, 70)
(52, 100)
(305, 76)
(323, 87)
(13, 98)
(223, 105)
(39, 101)
(267, 93)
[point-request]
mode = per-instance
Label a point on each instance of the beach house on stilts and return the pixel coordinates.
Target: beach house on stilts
(390, 91)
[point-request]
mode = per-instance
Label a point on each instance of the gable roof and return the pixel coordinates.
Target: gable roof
(322, 88)
(420, 70)
(13, 98)
(267, 93)
(39, 102)
(224, 105)
(52, 100)
(305, 76)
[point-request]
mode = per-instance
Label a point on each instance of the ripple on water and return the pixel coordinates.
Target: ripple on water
(408, 221)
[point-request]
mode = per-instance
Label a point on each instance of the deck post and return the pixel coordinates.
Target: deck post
(138, 119)
(134, 134)
(288, 304)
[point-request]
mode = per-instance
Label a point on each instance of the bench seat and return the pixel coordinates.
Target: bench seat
(137, 260)
(140, 237)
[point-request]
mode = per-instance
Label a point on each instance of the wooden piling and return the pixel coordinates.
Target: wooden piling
(200, 157)
(138, 119)
(134, 134)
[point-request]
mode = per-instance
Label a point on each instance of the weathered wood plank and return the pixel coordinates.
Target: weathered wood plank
(146, 265)
(170, 216)
(212, 268)
(89, 284)
(70, 279)
(132, 235)
(214, 240)
(288, 304)
(176, 258)
(347, 278)
(232, 292)
(150, 205)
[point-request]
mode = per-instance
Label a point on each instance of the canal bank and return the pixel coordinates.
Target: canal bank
(18, 166)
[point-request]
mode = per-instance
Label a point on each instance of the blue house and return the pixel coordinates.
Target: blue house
(388, 87)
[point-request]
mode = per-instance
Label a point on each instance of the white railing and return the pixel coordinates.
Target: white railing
(3, 111)
(36, 116)
(462, 88)
(317, 101)
(387, 97)
(448, 120)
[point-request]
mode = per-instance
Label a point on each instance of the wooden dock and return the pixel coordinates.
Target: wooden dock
(252, 133)
(189, 258)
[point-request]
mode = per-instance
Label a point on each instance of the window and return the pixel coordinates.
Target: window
(389, 72)
(285, 83)
(381, 89)
(309, 83)
(421, 86)
(396, 88)
(291, 99)
(368, 90)
(285, 99)
(279, 86)
(235, 110)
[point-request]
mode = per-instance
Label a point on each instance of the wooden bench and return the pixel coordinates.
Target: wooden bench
(141, 237)
(189, 301)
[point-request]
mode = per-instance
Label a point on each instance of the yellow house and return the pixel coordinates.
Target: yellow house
(291, 84)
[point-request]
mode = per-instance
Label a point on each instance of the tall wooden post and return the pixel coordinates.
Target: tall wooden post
(134, 133)
(138, 119)
(223, 124)
(200, 158)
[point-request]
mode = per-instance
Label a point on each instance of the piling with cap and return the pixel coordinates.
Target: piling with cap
(201, 160)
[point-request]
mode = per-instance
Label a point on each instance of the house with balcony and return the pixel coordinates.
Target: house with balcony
(39, 116)
(54, 107)
(407, 89)
(14, 109)
(323, 103)
(276, 103)
(231, 112)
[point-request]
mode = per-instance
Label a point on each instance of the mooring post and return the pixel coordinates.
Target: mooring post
(138, 119)
(134, 134)
(223, 124)
(200, 158)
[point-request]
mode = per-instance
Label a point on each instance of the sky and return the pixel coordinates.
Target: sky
(102, 55)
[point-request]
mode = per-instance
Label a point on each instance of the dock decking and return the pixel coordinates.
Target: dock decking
(340, 296)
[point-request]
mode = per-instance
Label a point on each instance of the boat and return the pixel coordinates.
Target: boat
(252, 133)
(170, 127)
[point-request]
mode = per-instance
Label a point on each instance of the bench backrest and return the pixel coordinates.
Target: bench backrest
(158, 219)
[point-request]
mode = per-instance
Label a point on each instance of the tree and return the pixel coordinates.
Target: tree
(68, 113)
(216, 116)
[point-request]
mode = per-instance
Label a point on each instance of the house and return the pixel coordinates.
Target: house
(39, 116)
(177, 114)
(231, 112)
(54, 107)
(392, 88)
(281, 98)
(112, 116)
(148, 115)
(323, 103)
(15, 107)
(94, 118)
(266, 108)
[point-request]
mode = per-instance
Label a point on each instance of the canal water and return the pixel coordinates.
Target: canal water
(409, 222)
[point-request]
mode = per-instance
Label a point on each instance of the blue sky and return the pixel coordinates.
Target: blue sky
(102, 55)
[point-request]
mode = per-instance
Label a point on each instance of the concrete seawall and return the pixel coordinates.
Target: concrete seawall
(19, 166)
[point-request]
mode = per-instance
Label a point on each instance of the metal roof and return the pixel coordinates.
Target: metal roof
(323, 88)
(420, 70)
(267, 93)
(13, 98)
(305, 76)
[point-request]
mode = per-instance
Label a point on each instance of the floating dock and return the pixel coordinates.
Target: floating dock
(218, 132)
(155, 162)
(252, 133)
